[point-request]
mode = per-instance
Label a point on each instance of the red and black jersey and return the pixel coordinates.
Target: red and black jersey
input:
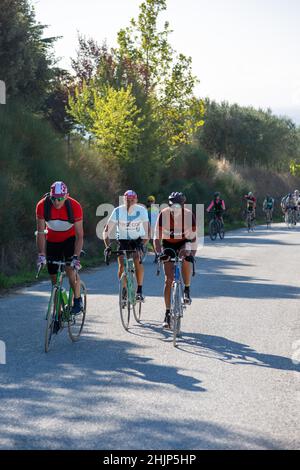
(58, 225)
(173, 229)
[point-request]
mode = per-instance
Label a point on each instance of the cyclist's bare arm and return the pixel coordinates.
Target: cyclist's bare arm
(157, 236)
(41, 236)
(108, 229)
(79, 237)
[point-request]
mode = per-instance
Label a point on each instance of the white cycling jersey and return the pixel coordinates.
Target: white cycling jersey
(130, 226)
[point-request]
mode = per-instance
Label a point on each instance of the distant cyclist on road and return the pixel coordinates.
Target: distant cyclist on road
(268, 205)
(130, 221)
(217, 205)
(288, 203)
(153, 213)
(251, 203)
(297, 201)
(176, 230)
(62, 216)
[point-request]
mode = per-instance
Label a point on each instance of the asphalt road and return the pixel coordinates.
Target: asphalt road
(232, 383)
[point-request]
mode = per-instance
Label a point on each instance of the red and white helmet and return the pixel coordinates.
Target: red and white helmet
(58, 189)
(130, 194)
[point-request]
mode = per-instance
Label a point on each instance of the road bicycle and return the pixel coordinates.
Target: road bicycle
(216, 226)
(268, 214)
(250, 220)
(128, 300)
(177, 298)
(59, 311)
(290, 217)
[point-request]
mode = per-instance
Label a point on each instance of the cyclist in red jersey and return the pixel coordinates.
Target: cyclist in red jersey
(60, 235)
(176, 230)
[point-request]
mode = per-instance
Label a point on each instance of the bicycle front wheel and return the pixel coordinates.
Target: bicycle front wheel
(213, 231)
(176, 312)
(51, 315)
(76, 322)
(124, 302)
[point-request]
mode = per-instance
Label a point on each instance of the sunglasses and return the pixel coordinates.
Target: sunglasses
(59, 199)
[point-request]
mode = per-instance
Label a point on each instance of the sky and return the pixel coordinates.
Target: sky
(243, 51)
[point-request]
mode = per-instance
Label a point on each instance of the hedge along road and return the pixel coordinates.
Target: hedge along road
(232, 383)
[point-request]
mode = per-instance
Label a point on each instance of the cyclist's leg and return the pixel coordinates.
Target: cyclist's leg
(122, 245)
(68, 251)
(169, 277)
(139, 267)
(139, 270)
(54, 252)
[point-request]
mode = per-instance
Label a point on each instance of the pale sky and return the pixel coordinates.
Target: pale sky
(243, 51)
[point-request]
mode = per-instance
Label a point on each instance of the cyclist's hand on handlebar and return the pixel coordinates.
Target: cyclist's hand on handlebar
(107, 251)
(189, 258)
(163, 257)
(75, 263)
(41, 261)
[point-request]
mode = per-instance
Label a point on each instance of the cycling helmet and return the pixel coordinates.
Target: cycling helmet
(176, 198)
(250, 194)
(217, 194)
(130, 194)
(151, 199)
(58, 189)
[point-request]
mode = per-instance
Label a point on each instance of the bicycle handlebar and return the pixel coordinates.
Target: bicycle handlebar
(119, 252)
(176, 258)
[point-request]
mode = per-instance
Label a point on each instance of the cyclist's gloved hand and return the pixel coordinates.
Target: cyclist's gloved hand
(41, 261)
(189, 258)
(163, 257)
(75, 263)
(107, 251)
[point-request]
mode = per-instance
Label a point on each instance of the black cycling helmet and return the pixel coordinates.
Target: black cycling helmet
(177, 198)
(217, 194)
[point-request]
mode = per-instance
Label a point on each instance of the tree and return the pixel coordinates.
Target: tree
(110, 116)
(167, 77)
(25, 56)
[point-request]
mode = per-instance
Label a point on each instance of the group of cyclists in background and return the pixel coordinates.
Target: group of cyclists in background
(171, 231)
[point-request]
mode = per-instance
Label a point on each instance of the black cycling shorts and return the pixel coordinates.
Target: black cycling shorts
(130, 244)
(62, 251)
(177, 246)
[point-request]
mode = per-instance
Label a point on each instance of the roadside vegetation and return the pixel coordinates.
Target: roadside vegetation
(124, 117)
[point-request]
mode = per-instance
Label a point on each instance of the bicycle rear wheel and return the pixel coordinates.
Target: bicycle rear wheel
(76, 322)
(137, 311)
(51, 315)
(221, 231)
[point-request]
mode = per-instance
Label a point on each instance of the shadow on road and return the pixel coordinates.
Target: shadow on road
(232, 352)
(129, 433)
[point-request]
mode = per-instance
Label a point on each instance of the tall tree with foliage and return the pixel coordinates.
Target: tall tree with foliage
(25, 56)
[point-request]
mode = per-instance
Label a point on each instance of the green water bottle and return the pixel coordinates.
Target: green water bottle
(64, 296)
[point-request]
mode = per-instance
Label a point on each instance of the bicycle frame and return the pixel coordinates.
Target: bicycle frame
(60, 299)
(129, 272)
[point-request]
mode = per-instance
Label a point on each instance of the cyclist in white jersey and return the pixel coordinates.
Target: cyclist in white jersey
(131, 224)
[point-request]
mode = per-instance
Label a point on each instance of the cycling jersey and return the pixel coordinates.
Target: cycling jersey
(173, 229)
(217, 206)
(129, 225)
(251, 201)
(58, 225)
(268, 203)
